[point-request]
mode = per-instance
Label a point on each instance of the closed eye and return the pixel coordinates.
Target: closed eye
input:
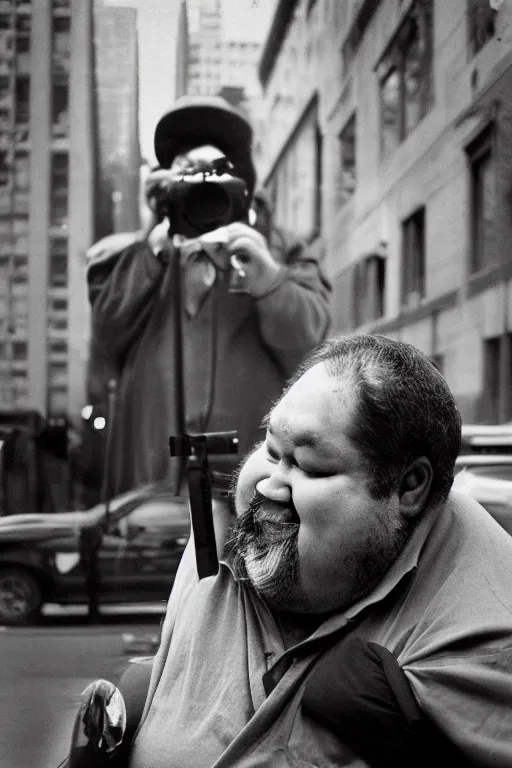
(272, 453)
(316, 473)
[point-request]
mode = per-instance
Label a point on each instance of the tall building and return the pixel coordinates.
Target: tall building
(117, 112)
(223, 57)
(388, 144)
(205, 52)
(46, 201)
(182, 53)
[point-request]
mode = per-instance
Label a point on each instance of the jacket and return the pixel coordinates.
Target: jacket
(238, 352)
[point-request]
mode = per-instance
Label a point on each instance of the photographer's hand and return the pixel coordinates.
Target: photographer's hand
(251, 250)
(156, 225)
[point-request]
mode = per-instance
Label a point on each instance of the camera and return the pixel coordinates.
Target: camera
(203, 196)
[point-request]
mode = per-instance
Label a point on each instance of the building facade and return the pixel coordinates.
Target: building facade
(117, 112)
(182, 53)
(46, 202)
(388, 143)
(205, 47)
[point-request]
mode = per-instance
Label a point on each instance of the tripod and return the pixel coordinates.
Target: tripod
(192, 450)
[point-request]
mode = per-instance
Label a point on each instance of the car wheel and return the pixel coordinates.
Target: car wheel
(20, 596)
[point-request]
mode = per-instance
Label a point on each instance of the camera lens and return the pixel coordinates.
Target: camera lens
(207, 202)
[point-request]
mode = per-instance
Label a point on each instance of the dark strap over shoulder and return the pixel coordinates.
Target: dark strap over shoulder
(358, 690)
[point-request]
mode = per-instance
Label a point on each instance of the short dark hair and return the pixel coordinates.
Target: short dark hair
(405, 409)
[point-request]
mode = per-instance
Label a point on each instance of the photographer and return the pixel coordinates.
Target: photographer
(253, 304)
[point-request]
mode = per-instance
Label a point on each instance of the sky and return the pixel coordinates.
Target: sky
(157, 26)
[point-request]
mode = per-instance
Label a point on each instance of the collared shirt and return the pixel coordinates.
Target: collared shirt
(444, 609)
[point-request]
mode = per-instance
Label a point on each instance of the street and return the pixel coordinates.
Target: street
(43, 671)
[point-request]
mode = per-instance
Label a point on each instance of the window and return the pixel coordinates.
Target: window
(58, 372)
(296, 181)
(58, 262)
(413, 258)
(5, 119)
(492, 354)
(61, 45)
(59, 305)
(483, 201)
(21, 182)
(481, 19)
(153, 516)
(20, 269)
(22, 170)
(23, 29)
(405, 76)
(22, 44)
(497, 379)
(4, 168)
(59, 346)
(347, 177)
(59, 323)
(369, 289)
(495, 471)
(20, 231)
(390, 112)
(20, 310)
(59, 189)
(19, 350)
(22, 112)
(5, 86)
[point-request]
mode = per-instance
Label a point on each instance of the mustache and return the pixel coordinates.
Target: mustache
(263, 514)
(260, 529)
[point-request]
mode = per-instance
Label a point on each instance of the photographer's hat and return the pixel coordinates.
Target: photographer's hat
(196, 120)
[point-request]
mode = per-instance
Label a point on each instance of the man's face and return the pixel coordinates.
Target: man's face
(308, 534)
(206, 153)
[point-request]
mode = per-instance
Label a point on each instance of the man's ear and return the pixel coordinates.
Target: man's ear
(415, 487)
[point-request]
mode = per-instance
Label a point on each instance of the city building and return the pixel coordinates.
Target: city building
(388, 144)
(46, 202)
(205, 47)
(117, 111)
(223, 57)
(182, 53)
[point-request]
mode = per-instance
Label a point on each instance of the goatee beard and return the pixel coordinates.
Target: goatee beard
(261, 549)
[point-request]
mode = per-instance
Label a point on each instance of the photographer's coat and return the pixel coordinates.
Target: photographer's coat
(241, 349)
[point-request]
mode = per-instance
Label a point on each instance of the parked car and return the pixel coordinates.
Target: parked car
(487, 478)
(486, 438)
(142, 545)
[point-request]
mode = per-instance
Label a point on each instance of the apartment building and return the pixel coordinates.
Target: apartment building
(388, 144)
(46, 202)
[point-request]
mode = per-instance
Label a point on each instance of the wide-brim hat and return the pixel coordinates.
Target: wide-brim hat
(196, 120)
